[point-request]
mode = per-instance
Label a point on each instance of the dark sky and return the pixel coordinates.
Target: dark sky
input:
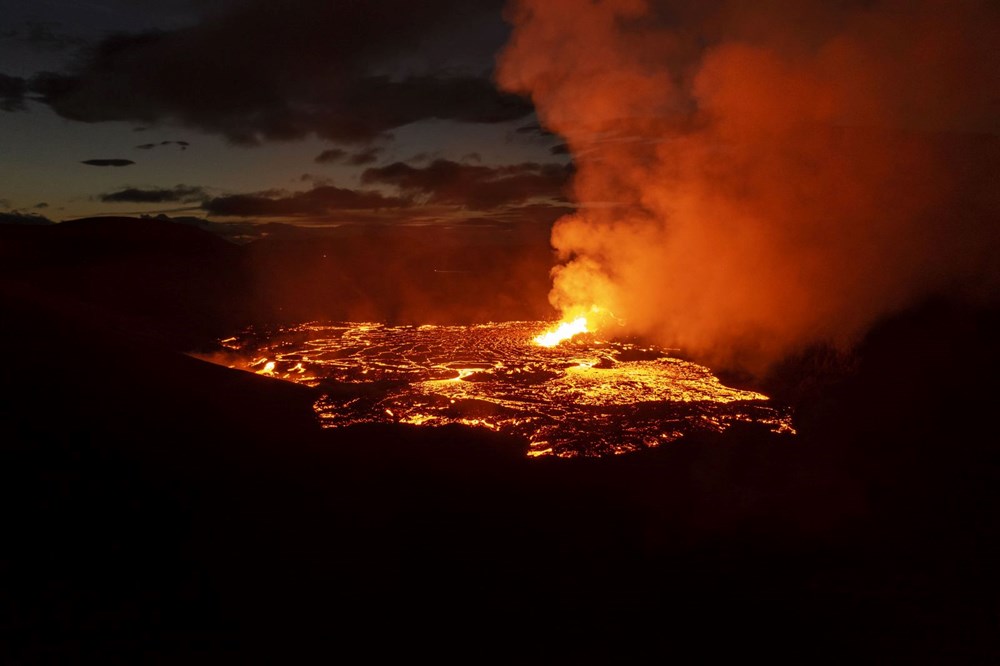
(309, 111)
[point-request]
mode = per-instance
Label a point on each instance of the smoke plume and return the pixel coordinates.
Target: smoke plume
(757, 177)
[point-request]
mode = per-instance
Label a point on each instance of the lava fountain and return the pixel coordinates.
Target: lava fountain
(567, 390)
(564, 331)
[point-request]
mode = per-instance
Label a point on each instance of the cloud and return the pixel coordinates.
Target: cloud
(45, 35)
(320, 201)
(12, 92)
(331, 155)
(478, 187)
(183, 145)
(255, 70)
(314, 179)
(538, 135)
(108, 162)
(760, 177)
(366, 156)
(360, 158)
(533, 129)
(178, 193)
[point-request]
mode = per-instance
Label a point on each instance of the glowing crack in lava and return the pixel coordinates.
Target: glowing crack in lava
(584, 396)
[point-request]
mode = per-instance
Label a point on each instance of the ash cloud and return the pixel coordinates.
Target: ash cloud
(472, 185)
(256, 70)
(108, 162)
(178, 193)
(758, 177)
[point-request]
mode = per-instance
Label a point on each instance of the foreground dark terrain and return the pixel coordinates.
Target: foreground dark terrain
(161, 509)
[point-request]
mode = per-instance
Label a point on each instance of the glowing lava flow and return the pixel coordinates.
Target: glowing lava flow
(563, 331)
(592, 397)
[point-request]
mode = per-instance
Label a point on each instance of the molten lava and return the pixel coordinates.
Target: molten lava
(563, 331)
(584, 397)
(573, 324)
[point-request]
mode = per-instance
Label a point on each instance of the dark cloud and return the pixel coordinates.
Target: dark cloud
(183, 145)
(533, 128)
(331, 155)
(255, 70)
(473, 186)
(178, 193)
(314, 179)
(46, 35)
(41, 205)
(559, 149)
(317, 202)
(12, 91)
(16, 217)
(108, 162)
(360, 158)
(366, 156)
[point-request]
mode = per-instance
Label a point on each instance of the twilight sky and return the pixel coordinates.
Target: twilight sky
(309, 111)
(752, 178)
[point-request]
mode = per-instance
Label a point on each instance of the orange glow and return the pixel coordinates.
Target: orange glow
(753, 178)
(562, 332)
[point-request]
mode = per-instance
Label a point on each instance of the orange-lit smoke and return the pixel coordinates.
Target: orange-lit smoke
(756, 177)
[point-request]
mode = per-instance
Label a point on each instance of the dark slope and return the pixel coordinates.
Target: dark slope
(173, 281)
(157, 508)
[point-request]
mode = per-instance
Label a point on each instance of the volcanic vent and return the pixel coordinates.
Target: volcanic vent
(585, 396)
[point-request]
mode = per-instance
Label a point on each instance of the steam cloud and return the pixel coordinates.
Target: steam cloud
(757, 177)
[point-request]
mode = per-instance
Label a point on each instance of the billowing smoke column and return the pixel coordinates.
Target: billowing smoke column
(757, 177)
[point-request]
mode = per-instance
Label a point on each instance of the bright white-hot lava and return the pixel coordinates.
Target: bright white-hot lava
(573, 324)
(563, 331)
